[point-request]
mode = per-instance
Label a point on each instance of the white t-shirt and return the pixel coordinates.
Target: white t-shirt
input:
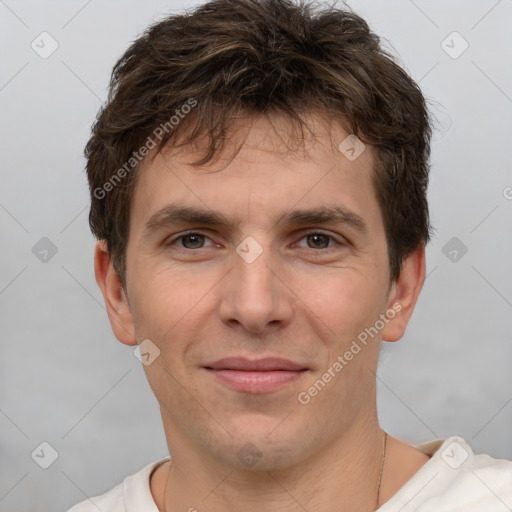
(453, 480)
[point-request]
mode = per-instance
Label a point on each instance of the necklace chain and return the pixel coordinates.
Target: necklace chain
(378, 487)
(381, 470)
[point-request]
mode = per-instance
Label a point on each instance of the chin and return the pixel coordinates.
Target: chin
(262, 445)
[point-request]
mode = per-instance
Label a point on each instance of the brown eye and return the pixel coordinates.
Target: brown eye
(318, 240)
(188, 241)
(196, 241)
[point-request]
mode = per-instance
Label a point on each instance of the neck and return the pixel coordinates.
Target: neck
(343, 476)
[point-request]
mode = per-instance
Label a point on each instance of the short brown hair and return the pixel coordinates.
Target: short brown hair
(258, 56)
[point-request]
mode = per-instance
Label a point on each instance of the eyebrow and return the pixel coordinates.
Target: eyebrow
(175, 214)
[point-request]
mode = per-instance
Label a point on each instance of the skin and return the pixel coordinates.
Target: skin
(302, 299)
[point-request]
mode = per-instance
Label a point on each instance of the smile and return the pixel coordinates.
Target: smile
(260, 376)
(256, 382)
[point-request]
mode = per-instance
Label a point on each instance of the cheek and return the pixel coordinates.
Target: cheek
(346, 301)
(154, 310)
(164, 292)
(171, 308)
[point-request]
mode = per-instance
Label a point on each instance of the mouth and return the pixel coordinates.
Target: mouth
(255, 376)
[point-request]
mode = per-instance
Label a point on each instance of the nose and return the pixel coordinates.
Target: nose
(256, 295)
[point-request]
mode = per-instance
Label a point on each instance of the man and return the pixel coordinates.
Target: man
(258, 182)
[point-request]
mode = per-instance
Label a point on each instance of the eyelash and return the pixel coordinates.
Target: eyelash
(180, 236)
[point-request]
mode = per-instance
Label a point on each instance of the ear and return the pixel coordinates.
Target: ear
(404, 294)
(118, 309)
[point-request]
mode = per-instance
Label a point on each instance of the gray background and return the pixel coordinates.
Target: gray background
(66, 380)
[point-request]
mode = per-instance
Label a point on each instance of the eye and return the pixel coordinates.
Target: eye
(192, 240)
(318, 240)
(189, 241)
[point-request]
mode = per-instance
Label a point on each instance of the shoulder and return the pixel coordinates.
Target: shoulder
(131, 494)
(481, 481)
(455, 479)
(111, 501)
(463, 480)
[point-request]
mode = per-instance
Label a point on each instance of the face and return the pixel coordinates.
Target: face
(255, 302)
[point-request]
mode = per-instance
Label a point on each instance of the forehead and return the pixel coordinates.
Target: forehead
(276, 167)
(319, 136)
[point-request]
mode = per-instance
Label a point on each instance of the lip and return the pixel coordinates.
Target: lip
(255, 376)
(255, 365)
